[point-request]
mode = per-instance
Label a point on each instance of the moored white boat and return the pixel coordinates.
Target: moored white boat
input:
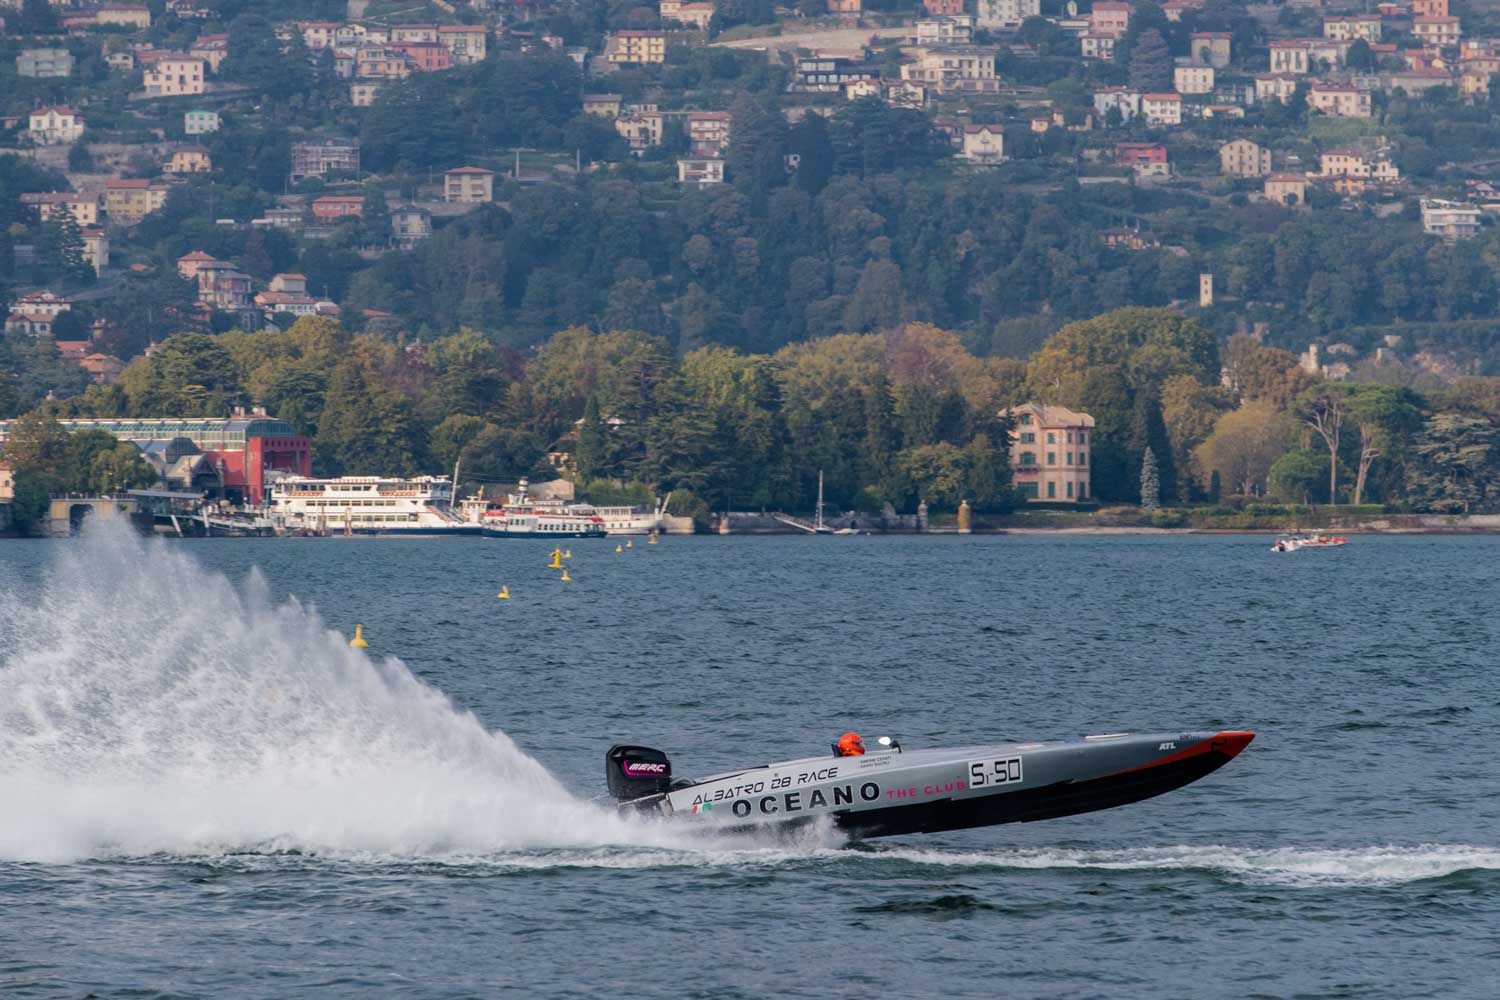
(520, 516)
(367, 505)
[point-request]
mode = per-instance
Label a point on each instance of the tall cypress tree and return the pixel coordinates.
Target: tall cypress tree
(811, 144)
(880, 432)
(1150, 482)
(1150, 63)
(589, 454)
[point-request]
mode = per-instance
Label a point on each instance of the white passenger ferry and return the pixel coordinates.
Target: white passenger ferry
(368, 505)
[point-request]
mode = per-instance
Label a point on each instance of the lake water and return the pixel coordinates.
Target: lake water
(205, 793)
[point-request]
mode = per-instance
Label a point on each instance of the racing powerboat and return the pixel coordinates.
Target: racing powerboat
(888, 791)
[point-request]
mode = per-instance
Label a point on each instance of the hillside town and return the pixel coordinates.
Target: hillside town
(1311, 181)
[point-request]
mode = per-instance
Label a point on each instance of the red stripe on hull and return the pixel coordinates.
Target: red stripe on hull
(1229, 742)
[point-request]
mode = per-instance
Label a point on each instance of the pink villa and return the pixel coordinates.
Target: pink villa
(1049, 452)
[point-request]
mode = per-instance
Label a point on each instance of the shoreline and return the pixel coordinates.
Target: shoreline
(1097, 531)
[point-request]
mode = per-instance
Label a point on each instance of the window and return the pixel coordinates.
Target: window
(1028, 458)
(1068, 458)
(1051, 491)
(1051, 458)
(1025, 420)
(1027, 490)
(1070, 437)
(1051, 438)
(1083, 438)
(1029, 437)
(1083, 458)
(1083, 491)
(1070, 491)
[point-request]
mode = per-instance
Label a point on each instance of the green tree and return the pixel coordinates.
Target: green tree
(987, 476)
(38, 18)
(80, 161)
(1454, 467)
(878, 300)
(60, 247)
(189, 375)
(1386, 418)
(118, 469)
(258, 59)
(590, 453)
(1188, 412)
(413, 122)
(28, 505)
(366, 428)
(37, 443)
(1150, 63)
(938, 472)
(1323, 408)
(1245, 443)
(77, 471)
(1359, 57)
(811, 144)
(754, 160)
(453, 435)
(1150, 481)
(1300, 476)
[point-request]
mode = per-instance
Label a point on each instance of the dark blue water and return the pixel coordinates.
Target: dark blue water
(204, 794)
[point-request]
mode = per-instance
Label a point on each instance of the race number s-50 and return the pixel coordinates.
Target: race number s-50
(1005, 771)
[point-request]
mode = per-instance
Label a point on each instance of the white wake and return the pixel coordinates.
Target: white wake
(1381, 865)
(149, 706)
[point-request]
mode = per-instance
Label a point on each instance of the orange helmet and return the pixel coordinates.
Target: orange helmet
(850, 745)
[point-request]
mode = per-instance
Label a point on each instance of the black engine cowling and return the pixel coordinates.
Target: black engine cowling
(634, 772)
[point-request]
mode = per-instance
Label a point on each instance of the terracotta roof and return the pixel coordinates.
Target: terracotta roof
(1048, 415)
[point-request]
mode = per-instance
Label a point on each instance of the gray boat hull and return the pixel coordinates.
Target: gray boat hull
(889, 793)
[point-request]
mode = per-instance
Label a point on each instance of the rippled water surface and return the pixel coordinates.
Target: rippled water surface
(205, 793)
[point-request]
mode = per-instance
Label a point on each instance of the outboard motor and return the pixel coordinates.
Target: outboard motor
(636, 772)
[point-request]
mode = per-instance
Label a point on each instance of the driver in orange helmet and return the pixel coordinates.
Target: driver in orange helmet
(850, 745)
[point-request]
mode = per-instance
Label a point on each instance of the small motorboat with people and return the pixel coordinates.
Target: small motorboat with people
(889, 791)
(1314, 540)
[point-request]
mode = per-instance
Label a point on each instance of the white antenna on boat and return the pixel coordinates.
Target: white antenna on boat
(819, 525)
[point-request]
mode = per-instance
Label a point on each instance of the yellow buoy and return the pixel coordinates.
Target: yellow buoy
(504, 591)
(568, 554)
(565, 575)
(619, 549)
(556, 562)
(358, 642)
(630, 545)
(652, 539)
